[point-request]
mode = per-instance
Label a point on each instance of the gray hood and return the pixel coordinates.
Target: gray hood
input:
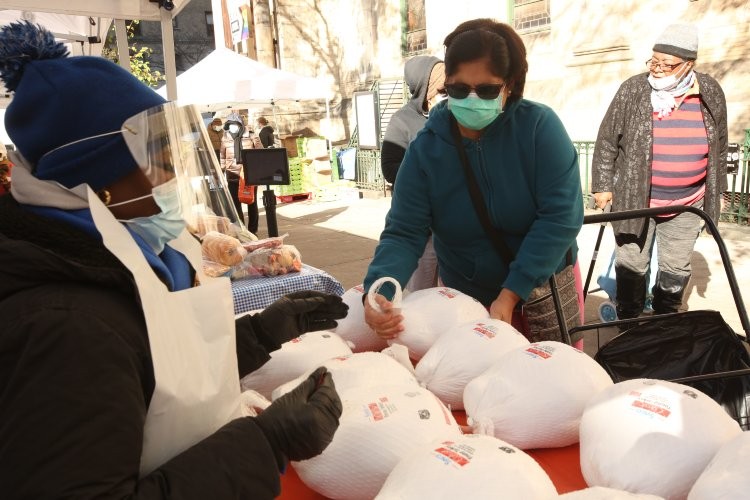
(407, 121)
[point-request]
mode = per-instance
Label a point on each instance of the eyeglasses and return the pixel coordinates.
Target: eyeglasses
(484, 91)
(651, 64)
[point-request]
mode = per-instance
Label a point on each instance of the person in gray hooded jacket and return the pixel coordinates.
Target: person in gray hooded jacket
(424, 75)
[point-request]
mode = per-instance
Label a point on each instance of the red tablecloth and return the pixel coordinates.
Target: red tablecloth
(562, 465)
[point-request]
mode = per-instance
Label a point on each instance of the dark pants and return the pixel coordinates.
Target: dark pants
(252, 213)
(233, 183)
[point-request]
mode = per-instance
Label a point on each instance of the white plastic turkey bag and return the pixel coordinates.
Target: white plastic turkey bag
(252, 403)
(306, 352)
(726, 475)
(430, 312)
(378, 427)
(353, 328)
(534, 396)
(463, 353)
(651, 436)
(602, 493)
(469, 466)
(357, 371)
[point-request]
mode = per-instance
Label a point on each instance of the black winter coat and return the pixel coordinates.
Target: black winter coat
(624, 148)
(76, 379)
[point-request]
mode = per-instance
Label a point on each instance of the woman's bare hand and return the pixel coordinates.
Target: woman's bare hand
(387, 322)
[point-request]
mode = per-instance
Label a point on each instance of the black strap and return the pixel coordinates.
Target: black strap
(478, 201)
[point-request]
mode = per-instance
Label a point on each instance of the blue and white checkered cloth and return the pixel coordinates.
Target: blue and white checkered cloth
(254, 293)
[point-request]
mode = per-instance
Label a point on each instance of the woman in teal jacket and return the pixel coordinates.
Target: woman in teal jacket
(526, 167)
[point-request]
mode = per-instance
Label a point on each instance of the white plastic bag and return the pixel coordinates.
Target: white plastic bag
(378, 427)
(651, 436)
(463, 353)
(430, 312)
(534, 396)
(299, 355)
(725, 476)
(602, 493)
(353, 328)
(358, 371)
(468, 466)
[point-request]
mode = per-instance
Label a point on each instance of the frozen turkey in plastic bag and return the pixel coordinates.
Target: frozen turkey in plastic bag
(468, 466)
(430, 312)
(378, 427)
(353, 328)
(602, 493)
(463, 353)
(534, 396)
(357, 371)
(651, 436)
(252, 403)
(306, 352)
(725, 476)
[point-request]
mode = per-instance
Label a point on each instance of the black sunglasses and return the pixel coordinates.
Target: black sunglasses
(485, 91)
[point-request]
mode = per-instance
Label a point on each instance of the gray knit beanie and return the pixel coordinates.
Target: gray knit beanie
(680, 40)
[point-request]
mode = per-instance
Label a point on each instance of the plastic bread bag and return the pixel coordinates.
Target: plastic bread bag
(273, 242)
(275, 261)
(222, 249)
(214, 269)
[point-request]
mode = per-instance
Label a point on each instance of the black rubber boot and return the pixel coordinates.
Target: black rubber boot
(668, 292)
(631, 293)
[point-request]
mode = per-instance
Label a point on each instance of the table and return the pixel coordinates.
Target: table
(562, 465)
(253, 293)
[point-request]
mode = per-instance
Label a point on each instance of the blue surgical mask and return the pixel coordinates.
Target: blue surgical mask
(158, 229)
(473, 112)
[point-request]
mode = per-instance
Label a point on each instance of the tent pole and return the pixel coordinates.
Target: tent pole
(328, 133)
(123, 52)
(170, 68)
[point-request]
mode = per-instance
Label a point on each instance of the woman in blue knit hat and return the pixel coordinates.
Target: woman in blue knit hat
(662, 142)
(119, 360)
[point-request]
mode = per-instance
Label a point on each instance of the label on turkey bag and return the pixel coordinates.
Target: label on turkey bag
(540, 351)
(455, 454)
(652, 406)
(485, 331)
(448, 293)
(379, 410)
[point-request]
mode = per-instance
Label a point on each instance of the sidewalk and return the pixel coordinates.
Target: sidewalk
(340, 238)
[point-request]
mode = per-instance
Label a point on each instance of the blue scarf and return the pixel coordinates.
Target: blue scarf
(170, 265)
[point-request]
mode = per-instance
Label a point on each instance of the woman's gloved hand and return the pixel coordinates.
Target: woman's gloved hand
(300, 312)
(300, 424)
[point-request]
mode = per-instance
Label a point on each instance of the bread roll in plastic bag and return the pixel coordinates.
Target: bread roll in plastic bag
(725, 476)
(602, 493)
(353, 328)
(378, 427)
(306, 352)
(463, 353)
(534, 396)
(468, 466)
(430, 312)
(226, 250)
(357, 371)
(651, 436)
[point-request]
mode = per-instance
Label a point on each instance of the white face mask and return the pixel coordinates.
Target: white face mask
(668, 82)
(234, 128)
(217, 128)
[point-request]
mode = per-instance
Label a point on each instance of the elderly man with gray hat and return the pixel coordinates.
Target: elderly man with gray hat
(662, 142)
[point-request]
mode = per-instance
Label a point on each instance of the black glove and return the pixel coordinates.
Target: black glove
(301, 312)
(300, 424)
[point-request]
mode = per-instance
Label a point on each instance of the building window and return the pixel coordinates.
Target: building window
(531, 15)
(209, 23)
(415, 27)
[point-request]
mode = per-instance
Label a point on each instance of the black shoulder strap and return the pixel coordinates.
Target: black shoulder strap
(476, 199)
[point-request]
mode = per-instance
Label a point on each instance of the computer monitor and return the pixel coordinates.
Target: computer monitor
(267, 167)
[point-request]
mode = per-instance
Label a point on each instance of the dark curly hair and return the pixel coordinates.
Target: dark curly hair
(480, 38)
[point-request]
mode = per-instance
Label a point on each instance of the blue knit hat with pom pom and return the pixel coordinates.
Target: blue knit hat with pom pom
(58, 100)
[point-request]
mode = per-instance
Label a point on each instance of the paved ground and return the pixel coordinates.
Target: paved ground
(340, 237)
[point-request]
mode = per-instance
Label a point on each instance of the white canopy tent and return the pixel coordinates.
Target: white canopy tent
(225, 79)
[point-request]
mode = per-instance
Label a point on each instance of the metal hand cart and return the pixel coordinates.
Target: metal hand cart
(696, 348)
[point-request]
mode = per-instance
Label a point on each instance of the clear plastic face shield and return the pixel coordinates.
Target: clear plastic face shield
(171, 142)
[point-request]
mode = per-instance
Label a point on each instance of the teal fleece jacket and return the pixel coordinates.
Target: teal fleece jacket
(527, 169)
